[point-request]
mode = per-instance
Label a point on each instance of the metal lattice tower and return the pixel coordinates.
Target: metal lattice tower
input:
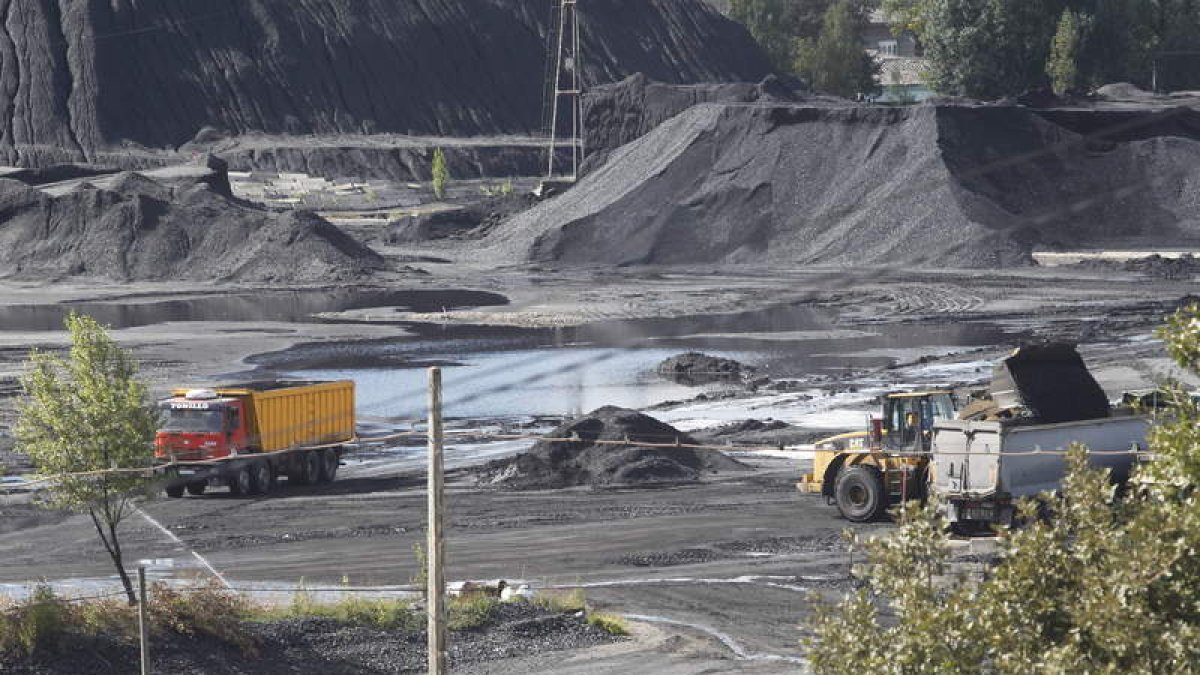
(566, 89)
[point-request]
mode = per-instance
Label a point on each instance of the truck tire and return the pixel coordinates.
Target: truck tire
(174, 491)
(196, 489)
(306, 469)
(329, 465)
(240, 483)
(858, 493)
(262, 479)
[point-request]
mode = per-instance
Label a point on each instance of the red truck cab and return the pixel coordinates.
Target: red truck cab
(200, 426)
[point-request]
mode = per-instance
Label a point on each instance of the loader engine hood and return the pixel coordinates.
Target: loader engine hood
(1052, 382)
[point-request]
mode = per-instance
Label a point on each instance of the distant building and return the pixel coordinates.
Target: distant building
(903, 69)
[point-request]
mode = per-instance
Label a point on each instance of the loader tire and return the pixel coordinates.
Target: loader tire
(859, 494)
(196, 489)
(174, 491)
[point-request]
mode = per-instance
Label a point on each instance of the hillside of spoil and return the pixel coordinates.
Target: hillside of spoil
(621, 112)
(943, 185)
(80, 75)
(128, 227)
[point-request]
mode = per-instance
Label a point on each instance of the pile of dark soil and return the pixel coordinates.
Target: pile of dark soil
(694, 368)
(470, 222)
(621, 112)
(556, 464)
(323, 646)
(758, 433)
(940, 185)
(1156, 266)
(136, 228)
(94, 73)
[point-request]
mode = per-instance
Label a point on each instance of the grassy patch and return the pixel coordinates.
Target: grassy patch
(612, 624)
(383, 613)
(45, 621)
(561, 601)
(471, 611)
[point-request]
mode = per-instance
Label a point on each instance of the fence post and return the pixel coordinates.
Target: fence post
(436, 545)
(143, 623)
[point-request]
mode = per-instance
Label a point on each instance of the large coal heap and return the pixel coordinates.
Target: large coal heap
(131, 227)
(934, 185)
(559, 464)
(84, 74)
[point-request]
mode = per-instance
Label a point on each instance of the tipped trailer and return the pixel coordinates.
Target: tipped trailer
(1044, 400)
(980, 469)
(247, 436)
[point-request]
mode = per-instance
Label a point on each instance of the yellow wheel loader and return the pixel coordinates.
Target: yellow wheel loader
(864, 472)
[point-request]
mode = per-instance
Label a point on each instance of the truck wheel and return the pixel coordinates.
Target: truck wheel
(174, 491)
(262, 478)
(858, 493)
(329, 465)
(240, 484)
(306, 469)
(196, 489)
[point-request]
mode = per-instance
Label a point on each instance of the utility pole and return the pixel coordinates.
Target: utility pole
(436, 544)
(143, 621)
(566, 89)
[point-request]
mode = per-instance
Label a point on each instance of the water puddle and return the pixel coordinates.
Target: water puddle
(506, 372)
(258, 306)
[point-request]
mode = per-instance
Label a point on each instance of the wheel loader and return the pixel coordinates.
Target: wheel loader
(864, 472)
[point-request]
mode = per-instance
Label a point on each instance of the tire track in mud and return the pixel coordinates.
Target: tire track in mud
(921, 299)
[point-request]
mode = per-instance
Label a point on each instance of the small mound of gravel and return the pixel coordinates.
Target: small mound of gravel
(558, 464)
(693, 368)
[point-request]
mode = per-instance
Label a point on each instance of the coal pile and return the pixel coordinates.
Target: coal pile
(621, 112)
(470, 222)
(1156, 266)
(92, 74)
(558, 464)
(131, 227)
(695, 368)
(957, 186)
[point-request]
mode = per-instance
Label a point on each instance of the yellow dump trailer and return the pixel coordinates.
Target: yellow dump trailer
(247, 435)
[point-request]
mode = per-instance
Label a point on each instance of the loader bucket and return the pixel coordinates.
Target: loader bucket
(1052, 382)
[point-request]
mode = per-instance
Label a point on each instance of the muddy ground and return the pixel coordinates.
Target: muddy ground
(716, 576)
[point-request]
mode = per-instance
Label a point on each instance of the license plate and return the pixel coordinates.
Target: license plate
(187, 472)
(976, 513)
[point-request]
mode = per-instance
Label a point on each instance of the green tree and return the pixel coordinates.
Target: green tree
(836, 62)
(769, 21)
(81, 416)
(1106, 585)
(441, 174)
(1064, 52)
(988, 48)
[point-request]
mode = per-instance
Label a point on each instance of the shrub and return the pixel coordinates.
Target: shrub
(561, 601)
(613, 624)
(37, 624)
(471, 611)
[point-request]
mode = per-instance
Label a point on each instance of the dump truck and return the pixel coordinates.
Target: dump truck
(1043, 401)
(864, 472)
(246, 436)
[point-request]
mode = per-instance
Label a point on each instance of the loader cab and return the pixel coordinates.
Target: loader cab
(909, 417)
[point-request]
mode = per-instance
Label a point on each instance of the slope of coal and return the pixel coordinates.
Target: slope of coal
(136, 228)
(945, 185)
(78, 75)
(617, 113)
(555, 464)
